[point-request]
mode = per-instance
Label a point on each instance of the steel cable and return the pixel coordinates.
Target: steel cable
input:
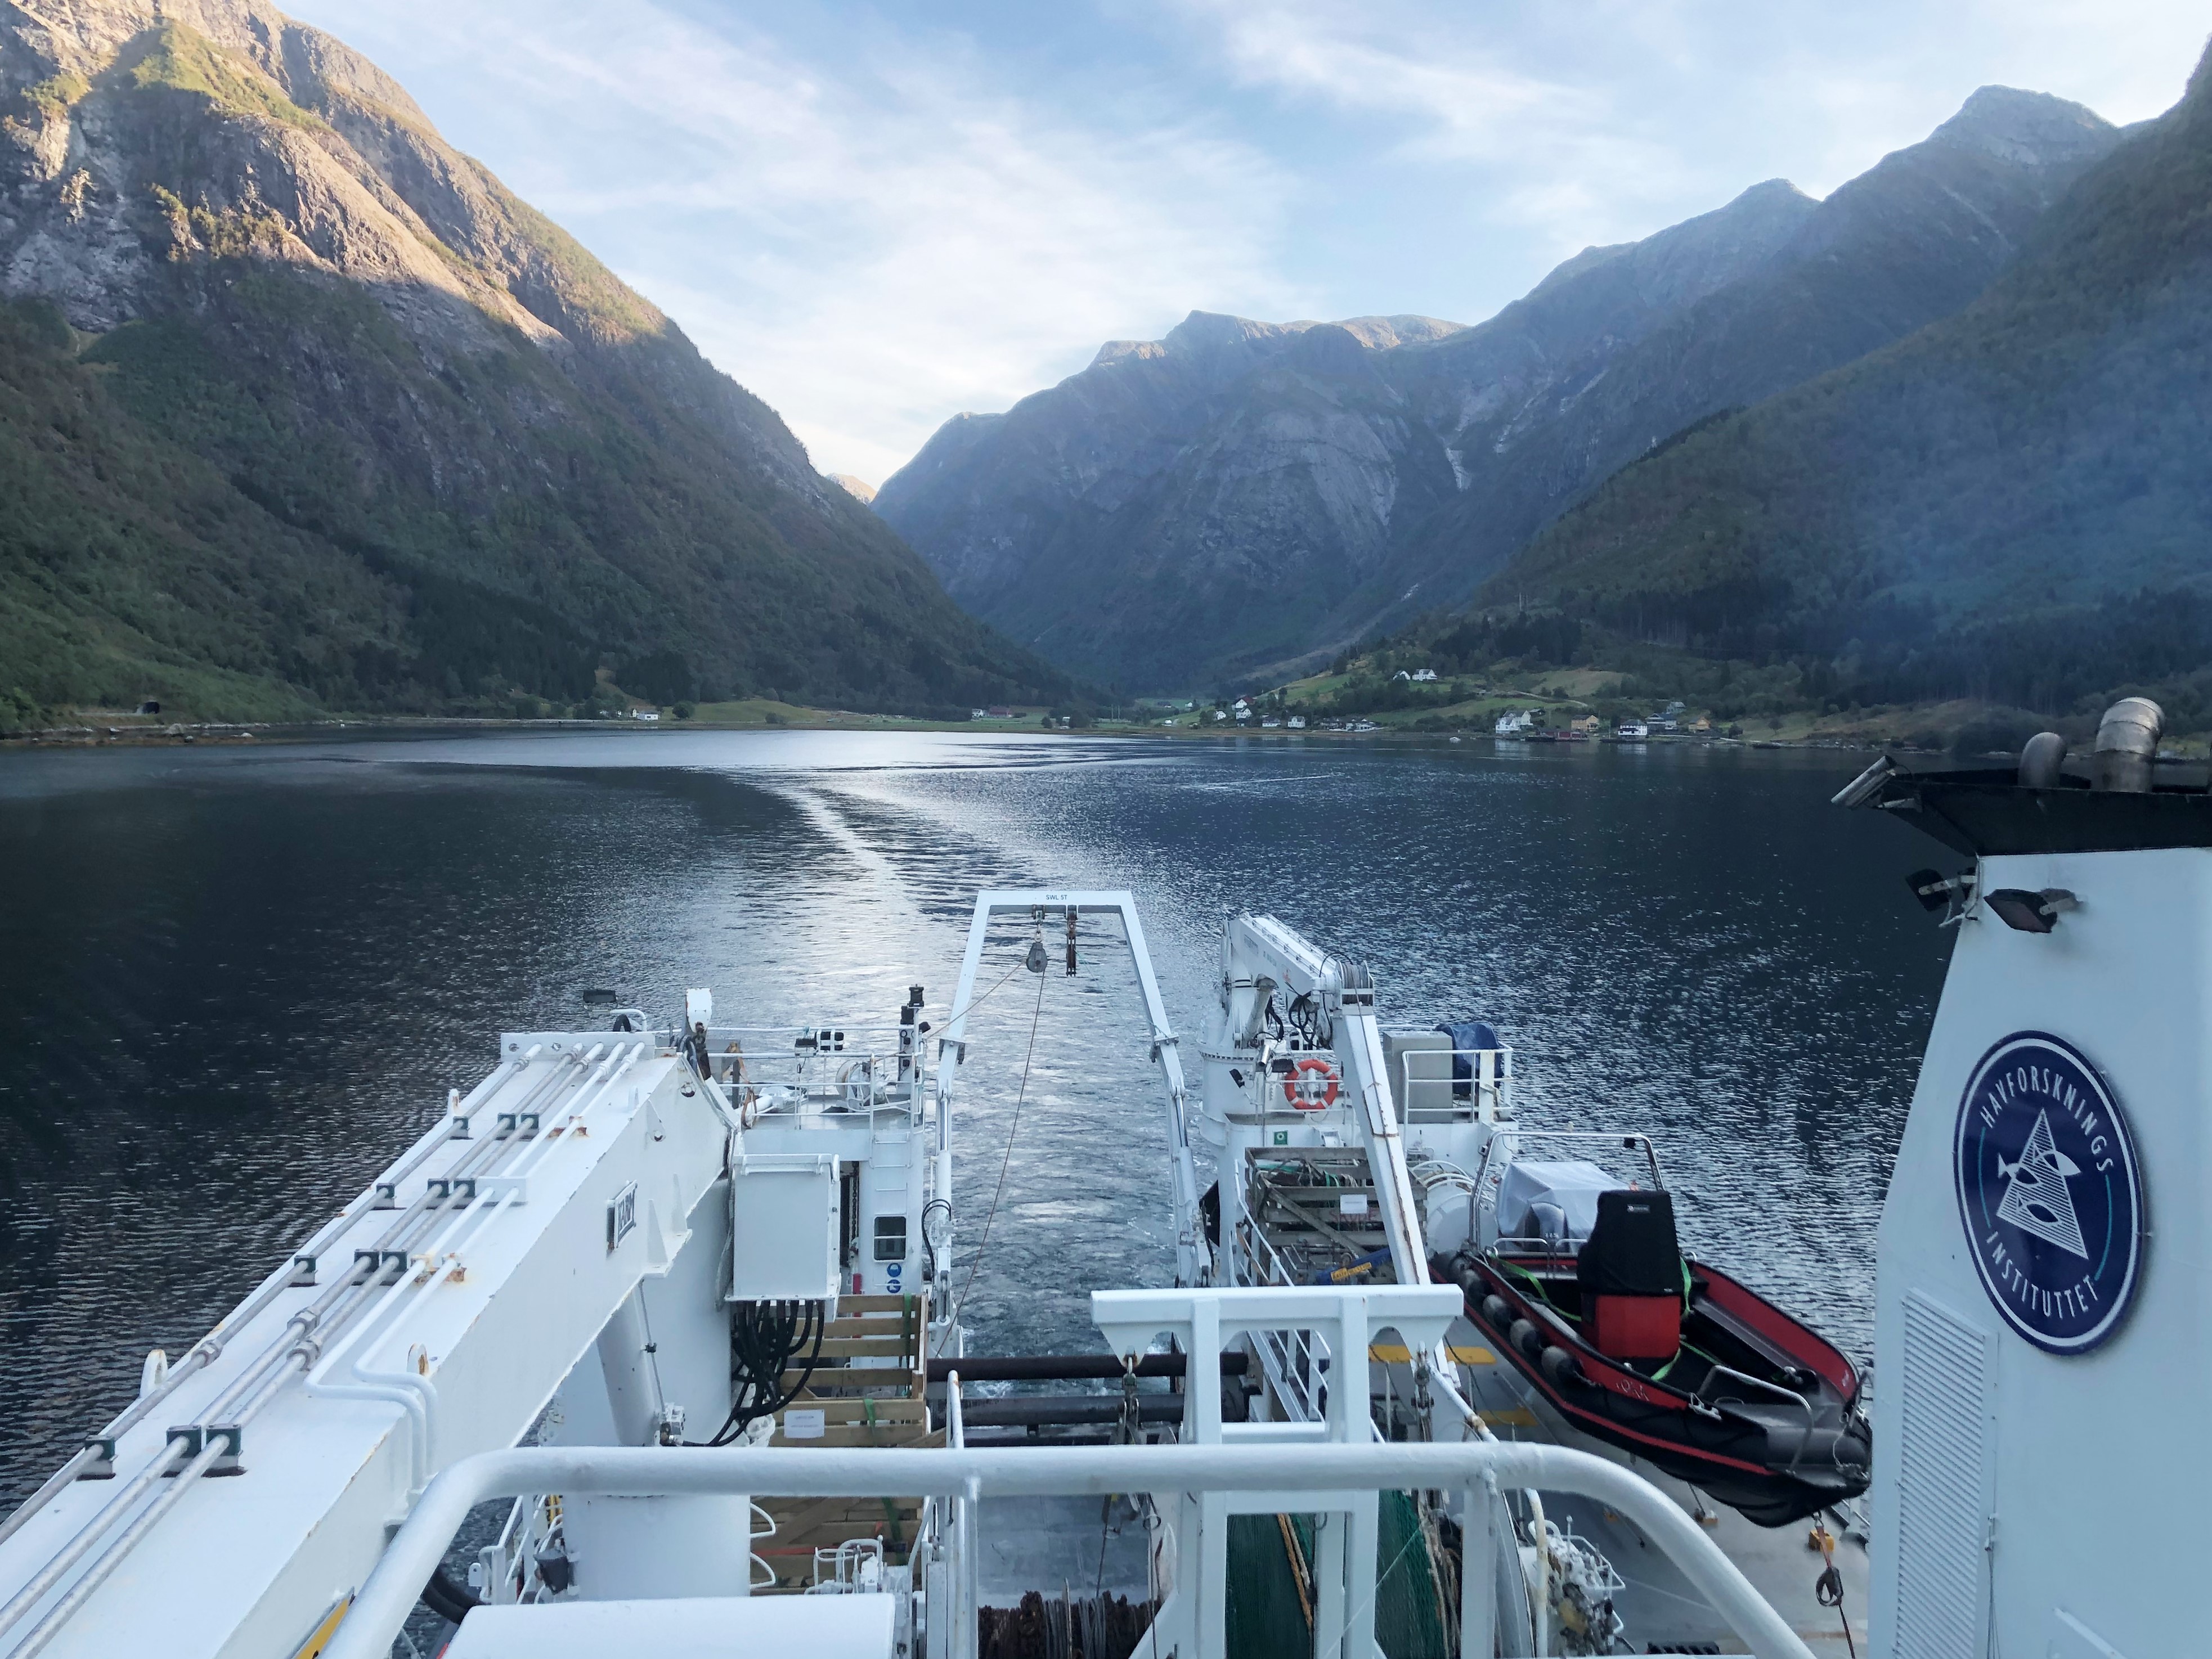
(976, 1261)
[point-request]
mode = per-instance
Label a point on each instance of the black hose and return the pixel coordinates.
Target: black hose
(765, 1338)
(449, 1600)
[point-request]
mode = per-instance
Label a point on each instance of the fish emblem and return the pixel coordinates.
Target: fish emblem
(2037, 1199)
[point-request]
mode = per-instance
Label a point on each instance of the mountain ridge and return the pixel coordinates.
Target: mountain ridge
(1241, 509)
(2010, 496)
(272, 262)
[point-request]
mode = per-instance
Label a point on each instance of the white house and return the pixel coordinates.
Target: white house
(1424, 676)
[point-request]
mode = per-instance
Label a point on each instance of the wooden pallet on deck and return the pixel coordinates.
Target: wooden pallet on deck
(868, 1385)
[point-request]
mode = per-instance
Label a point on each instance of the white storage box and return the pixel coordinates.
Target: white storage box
(784, 1228)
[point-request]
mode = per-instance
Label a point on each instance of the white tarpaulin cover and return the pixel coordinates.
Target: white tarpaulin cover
(1567, 1188)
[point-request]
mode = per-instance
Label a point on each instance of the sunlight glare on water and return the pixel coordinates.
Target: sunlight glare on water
(238, 980)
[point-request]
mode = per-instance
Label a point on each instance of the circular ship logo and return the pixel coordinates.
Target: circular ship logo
(2049, 1193)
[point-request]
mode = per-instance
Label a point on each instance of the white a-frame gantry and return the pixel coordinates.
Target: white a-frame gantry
(1040, 909)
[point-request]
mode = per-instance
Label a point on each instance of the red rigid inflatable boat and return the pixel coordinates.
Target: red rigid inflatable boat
(1675, 1361)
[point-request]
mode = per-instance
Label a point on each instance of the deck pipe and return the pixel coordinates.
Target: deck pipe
(2127, 746)
(1037, 1410)
(1071, 1367)
(213, 1452)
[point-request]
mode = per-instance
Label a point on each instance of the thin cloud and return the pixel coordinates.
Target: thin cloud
(1609, 119)
(878, 213)
(870, 246)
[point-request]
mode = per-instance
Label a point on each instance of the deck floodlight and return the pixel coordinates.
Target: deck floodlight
(1933, 888)
(2030, 913)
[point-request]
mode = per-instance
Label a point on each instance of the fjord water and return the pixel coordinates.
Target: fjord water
(236, 981)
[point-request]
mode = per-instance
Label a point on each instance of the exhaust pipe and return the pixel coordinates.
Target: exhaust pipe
(2042, 762)
(2127, 744)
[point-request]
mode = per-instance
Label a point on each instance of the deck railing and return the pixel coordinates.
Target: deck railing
(773, 1070)
(1474, 1470)
(1423, 1085)
(1295, 1361)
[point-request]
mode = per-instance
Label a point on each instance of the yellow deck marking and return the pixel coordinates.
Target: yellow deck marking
(320, 1638)
(1393, 1354)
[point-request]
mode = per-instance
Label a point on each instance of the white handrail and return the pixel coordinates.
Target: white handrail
(1279, 1348)
(420, 1545)
(967, 1592)
(1489, 1083)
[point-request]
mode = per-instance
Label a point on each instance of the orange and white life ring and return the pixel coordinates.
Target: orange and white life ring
(1310, 1085)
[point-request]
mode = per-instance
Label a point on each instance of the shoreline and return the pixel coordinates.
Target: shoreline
(179, 733)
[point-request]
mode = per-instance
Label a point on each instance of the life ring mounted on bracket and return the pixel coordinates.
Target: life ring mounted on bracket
(1310, 1085)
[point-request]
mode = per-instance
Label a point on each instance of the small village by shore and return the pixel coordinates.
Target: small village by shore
(1352, 701)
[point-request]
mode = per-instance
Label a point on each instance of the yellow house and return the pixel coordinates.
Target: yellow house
(1703, 724)
(1588, 723)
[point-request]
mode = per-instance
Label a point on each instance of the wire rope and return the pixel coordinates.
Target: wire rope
(976, 1261)
(974, 1003)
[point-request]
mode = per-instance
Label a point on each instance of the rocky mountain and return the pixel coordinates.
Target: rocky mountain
(1230, 481)
(303, 408)
(2012, 503)
(1239, 498)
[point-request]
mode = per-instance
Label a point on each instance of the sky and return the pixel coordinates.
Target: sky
(878, 215)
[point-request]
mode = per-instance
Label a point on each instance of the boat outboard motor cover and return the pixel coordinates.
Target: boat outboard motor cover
(1555, 1200)
(1465, 1034)
(1631, 1274)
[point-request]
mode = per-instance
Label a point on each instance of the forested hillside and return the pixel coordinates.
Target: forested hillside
(2012, 503)
(337, 422)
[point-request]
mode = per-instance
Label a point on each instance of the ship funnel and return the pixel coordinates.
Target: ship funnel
(2127, 744)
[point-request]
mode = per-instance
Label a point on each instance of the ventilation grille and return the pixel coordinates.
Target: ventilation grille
(1943, 1497)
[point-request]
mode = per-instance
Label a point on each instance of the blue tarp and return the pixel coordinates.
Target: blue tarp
(1467, 1034)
